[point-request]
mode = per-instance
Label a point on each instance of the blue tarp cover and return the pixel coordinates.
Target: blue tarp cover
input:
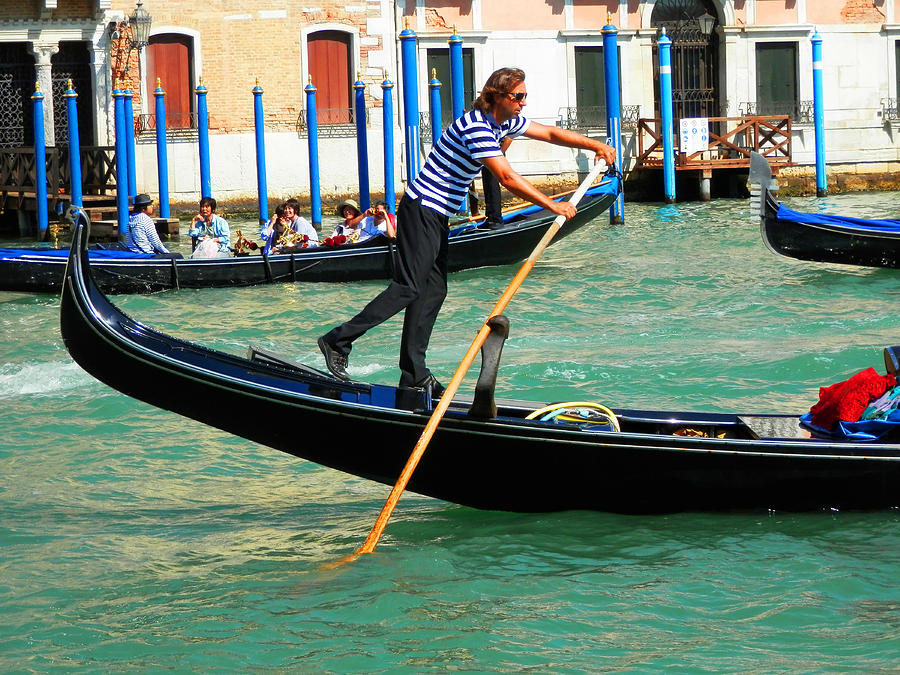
(864, 430)
(784, 213)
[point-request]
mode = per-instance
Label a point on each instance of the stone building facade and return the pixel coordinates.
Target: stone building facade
(756, 58)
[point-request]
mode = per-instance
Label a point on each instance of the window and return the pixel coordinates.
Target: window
(439, 61)
(170, 59)
(776, 79)
(329, 69)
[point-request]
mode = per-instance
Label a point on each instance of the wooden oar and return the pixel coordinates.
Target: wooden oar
(450, 391)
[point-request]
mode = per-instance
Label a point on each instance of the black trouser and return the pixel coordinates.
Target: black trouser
(491, 187)
(419, 286)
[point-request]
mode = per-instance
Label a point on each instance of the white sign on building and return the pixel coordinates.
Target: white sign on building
(694, 134)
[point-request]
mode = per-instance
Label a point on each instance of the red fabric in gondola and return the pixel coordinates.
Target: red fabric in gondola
(847, 400)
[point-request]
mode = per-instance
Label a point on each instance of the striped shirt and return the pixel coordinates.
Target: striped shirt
(455, 160)
(141, 236)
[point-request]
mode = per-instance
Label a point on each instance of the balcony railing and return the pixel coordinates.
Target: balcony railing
(331, 122)
(180, 126)
(800, 112)
(889, 109)
(593, 117)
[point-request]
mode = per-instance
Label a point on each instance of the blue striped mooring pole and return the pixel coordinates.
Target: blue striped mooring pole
(819, 116)
(362, 142)
(162, 153)
(75, 189)
(665, 104)
(313, 138)
(613, 110)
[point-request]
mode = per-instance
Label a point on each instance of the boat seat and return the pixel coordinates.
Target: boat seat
(774, 426)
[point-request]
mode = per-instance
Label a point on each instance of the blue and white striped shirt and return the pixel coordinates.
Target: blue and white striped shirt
(454, 161)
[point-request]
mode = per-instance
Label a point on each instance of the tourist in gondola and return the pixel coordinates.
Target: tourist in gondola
(419, 284)
(141, 236)
(210, 231)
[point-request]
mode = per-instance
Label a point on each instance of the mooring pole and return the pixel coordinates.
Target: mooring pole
(203, 140)
(75, 188)
(313, 137)
(259, 124)
(121, 161)
(819, 116)
(613, 110)
(362, 143)
(162, 153)
(387, 111)
(40, 163)
(665, 104)
(410, 102)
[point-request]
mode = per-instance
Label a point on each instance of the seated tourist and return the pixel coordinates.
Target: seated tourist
(299, 224)
(211, 232)
(379, 218)
(271, 232)
(349, 212)
(141, 235)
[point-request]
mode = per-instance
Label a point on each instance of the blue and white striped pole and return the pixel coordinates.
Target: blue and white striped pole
(387, 110)
(312, 127)
(410, 102)
(74, 146)
(613, 110)
(819, 116)
(457, 90)
(40, 163)
(434, 90)
(362, 143)
(203, 140)
(121, 161)
(162, 153)
(128, 95)
(259, 124)
(665, 104)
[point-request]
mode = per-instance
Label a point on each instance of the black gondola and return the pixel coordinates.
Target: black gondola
(469, 246)
(820, 237)
(485, 454)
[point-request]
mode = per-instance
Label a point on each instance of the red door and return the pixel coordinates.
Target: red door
(329, 69)
(169, 59)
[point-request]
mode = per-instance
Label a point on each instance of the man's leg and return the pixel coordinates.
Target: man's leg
(417, 252)
(420, 317)
(491, 187)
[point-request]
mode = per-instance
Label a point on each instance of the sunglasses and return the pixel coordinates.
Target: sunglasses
(518, 96)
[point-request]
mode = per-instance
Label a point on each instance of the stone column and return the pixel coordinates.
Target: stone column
(42, 52)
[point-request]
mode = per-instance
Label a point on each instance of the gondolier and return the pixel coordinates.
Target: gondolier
(419, 285)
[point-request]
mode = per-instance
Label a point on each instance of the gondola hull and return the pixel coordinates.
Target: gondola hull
(820, 237)
(505, 462)
(371, 260)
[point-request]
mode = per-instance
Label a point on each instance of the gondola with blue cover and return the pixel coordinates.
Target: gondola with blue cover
(820, 237)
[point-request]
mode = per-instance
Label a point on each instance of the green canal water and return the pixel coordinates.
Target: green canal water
(134, 540)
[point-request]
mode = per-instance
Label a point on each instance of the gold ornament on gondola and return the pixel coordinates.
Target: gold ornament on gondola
(290, 238)
(242, 244)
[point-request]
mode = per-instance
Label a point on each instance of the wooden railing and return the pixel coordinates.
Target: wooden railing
(18, 174)
(731, 140)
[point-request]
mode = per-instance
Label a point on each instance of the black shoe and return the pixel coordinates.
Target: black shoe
(337, 363)
(430, 382)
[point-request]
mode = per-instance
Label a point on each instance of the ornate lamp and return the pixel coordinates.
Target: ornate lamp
(140, 26)
(707, 22)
